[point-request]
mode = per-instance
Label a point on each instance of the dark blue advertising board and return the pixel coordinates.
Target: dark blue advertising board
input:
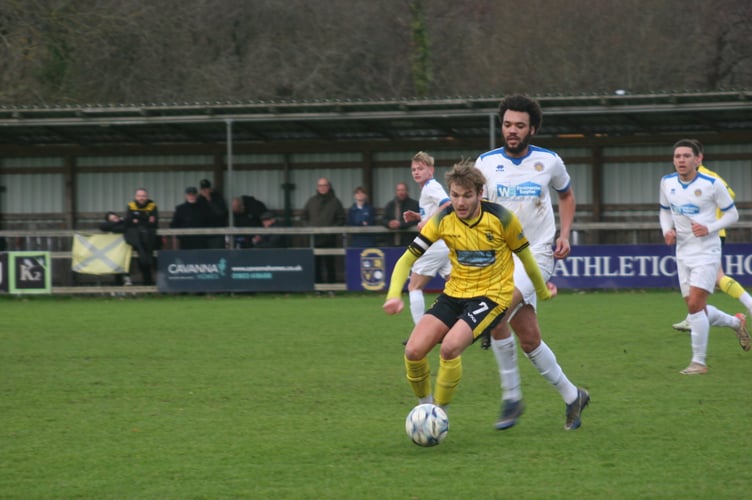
(288, 270)
(588, 267)
(370, 269)
(638, 266)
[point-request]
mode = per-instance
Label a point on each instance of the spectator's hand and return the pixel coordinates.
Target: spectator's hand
(393, 306)
(394, 224)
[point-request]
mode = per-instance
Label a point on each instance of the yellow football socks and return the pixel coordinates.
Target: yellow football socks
(419, 376)
(731, 287)
(450, 373)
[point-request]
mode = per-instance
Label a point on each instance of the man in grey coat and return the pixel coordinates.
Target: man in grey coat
(324, 209)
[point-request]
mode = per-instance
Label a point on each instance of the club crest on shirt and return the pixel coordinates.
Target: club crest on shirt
(698, 192)
(538, 167)
(489, 236)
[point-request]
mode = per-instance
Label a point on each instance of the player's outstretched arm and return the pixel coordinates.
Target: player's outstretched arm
(542, 289)
(393, 303)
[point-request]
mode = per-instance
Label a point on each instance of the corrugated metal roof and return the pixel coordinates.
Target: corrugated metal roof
(368, 120)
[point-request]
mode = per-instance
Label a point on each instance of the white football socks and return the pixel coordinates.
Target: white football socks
(506, 359)
(700, 327)
(716, 317)
(544, 359)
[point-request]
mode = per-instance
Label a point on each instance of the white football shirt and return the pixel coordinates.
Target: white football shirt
(523, 186)
(432, 196)
(696, 201)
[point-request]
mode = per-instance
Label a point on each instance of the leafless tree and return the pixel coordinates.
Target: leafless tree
(140, 51)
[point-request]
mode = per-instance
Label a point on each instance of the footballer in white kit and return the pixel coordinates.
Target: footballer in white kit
(688, 215)
(436, 258)
(698, 258)
(522, 185)
(433, 197)
(520, 177)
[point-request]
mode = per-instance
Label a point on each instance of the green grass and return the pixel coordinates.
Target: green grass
(305, 397)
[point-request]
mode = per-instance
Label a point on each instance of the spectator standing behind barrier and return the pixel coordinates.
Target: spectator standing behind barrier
(190, 214)
(113, 223)
(393, 216)
(216, 212)
(246, 212)
(361, 214)
(321, 210)
(269, 220)
(141, 222)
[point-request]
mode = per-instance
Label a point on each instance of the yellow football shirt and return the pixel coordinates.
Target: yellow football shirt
(480, 251)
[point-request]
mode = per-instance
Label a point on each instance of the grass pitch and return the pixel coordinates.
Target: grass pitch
(302, 396)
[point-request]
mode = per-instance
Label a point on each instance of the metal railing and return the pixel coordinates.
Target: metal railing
(59, 242)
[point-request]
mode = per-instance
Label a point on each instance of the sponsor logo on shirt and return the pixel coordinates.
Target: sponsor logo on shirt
(524, 190)
(687, 209)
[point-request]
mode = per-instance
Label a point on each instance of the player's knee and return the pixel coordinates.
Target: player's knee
(414, 353)
(528, 333)
(449, 353)
(695, 306)
(530, 344)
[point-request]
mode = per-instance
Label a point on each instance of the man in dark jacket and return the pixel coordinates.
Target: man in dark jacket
(141, 222)
(216, 212)
(190, 215)
(269, 220)
(393, 216)
(246, 212)
(321, 210)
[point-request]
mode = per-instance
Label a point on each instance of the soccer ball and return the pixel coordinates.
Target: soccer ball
(427, 425)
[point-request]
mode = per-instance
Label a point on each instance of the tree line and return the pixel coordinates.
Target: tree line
(57, 52)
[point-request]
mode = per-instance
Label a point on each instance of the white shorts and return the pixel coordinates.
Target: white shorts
(434, 261)
(698, 275)
(523, 282)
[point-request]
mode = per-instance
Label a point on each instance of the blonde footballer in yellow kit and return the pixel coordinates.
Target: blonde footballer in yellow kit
(481, 237)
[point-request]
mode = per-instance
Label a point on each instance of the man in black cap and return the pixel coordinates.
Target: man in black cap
(216, 212)
(190, 214)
